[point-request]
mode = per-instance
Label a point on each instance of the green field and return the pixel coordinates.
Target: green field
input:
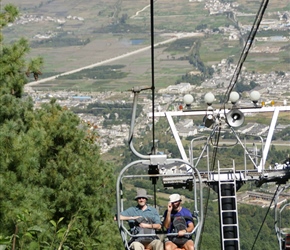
(102, 35)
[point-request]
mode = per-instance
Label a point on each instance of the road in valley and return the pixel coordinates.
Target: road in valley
(175, 37)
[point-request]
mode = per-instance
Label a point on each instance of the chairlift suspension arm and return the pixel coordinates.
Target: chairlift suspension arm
(269, 139)
(136, 92)
(176, 136)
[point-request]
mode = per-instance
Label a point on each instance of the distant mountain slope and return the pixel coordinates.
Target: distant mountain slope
(71, 34)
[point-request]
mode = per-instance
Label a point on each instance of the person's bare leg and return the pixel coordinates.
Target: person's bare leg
(189, 245)
(170, 246)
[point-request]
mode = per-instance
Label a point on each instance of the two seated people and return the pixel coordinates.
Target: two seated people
(177, 221)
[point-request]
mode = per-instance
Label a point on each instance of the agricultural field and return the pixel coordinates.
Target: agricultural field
(82, 33)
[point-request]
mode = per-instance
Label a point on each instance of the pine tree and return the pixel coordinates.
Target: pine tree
(56, 191)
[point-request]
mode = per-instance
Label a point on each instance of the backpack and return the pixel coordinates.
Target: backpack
(140, 230)
(179, 223)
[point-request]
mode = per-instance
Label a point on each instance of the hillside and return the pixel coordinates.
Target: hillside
(71, 34)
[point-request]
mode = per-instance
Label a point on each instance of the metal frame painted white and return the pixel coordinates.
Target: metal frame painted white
(222, 112)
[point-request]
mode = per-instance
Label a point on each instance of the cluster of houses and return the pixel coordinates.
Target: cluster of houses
(27, 19)
(271, 87)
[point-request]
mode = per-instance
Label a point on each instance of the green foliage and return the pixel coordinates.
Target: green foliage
(277, 156)
(201, 26)
(268, 33)
(191, 47)
(195, 59)
(12, 62)
(181, 45)
(52, 170)
(9, 14)
(121, 28)
(241, 87)
(117, 113)
(55, 188)
(11, 81)
(284, 134)
(101, 72)
(62, 40)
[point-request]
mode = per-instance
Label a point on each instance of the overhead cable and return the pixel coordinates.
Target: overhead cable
(246, 48)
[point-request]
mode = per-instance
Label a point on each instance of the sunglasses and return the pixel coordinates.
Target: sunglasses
(141, 198)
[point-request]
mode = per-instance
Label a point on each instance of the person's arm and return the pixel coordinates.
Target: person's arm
(190, 227)
(189, 223)
(128, 214)
(123, 217)
(167, 219)
(156, 222)
(155, 226)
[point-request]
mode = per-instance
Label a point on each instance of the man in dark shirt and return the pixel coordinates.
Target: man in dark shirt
(175, 210)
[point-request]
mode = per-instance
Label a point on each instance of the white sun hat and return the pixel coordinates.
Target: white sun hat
(174, 198)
